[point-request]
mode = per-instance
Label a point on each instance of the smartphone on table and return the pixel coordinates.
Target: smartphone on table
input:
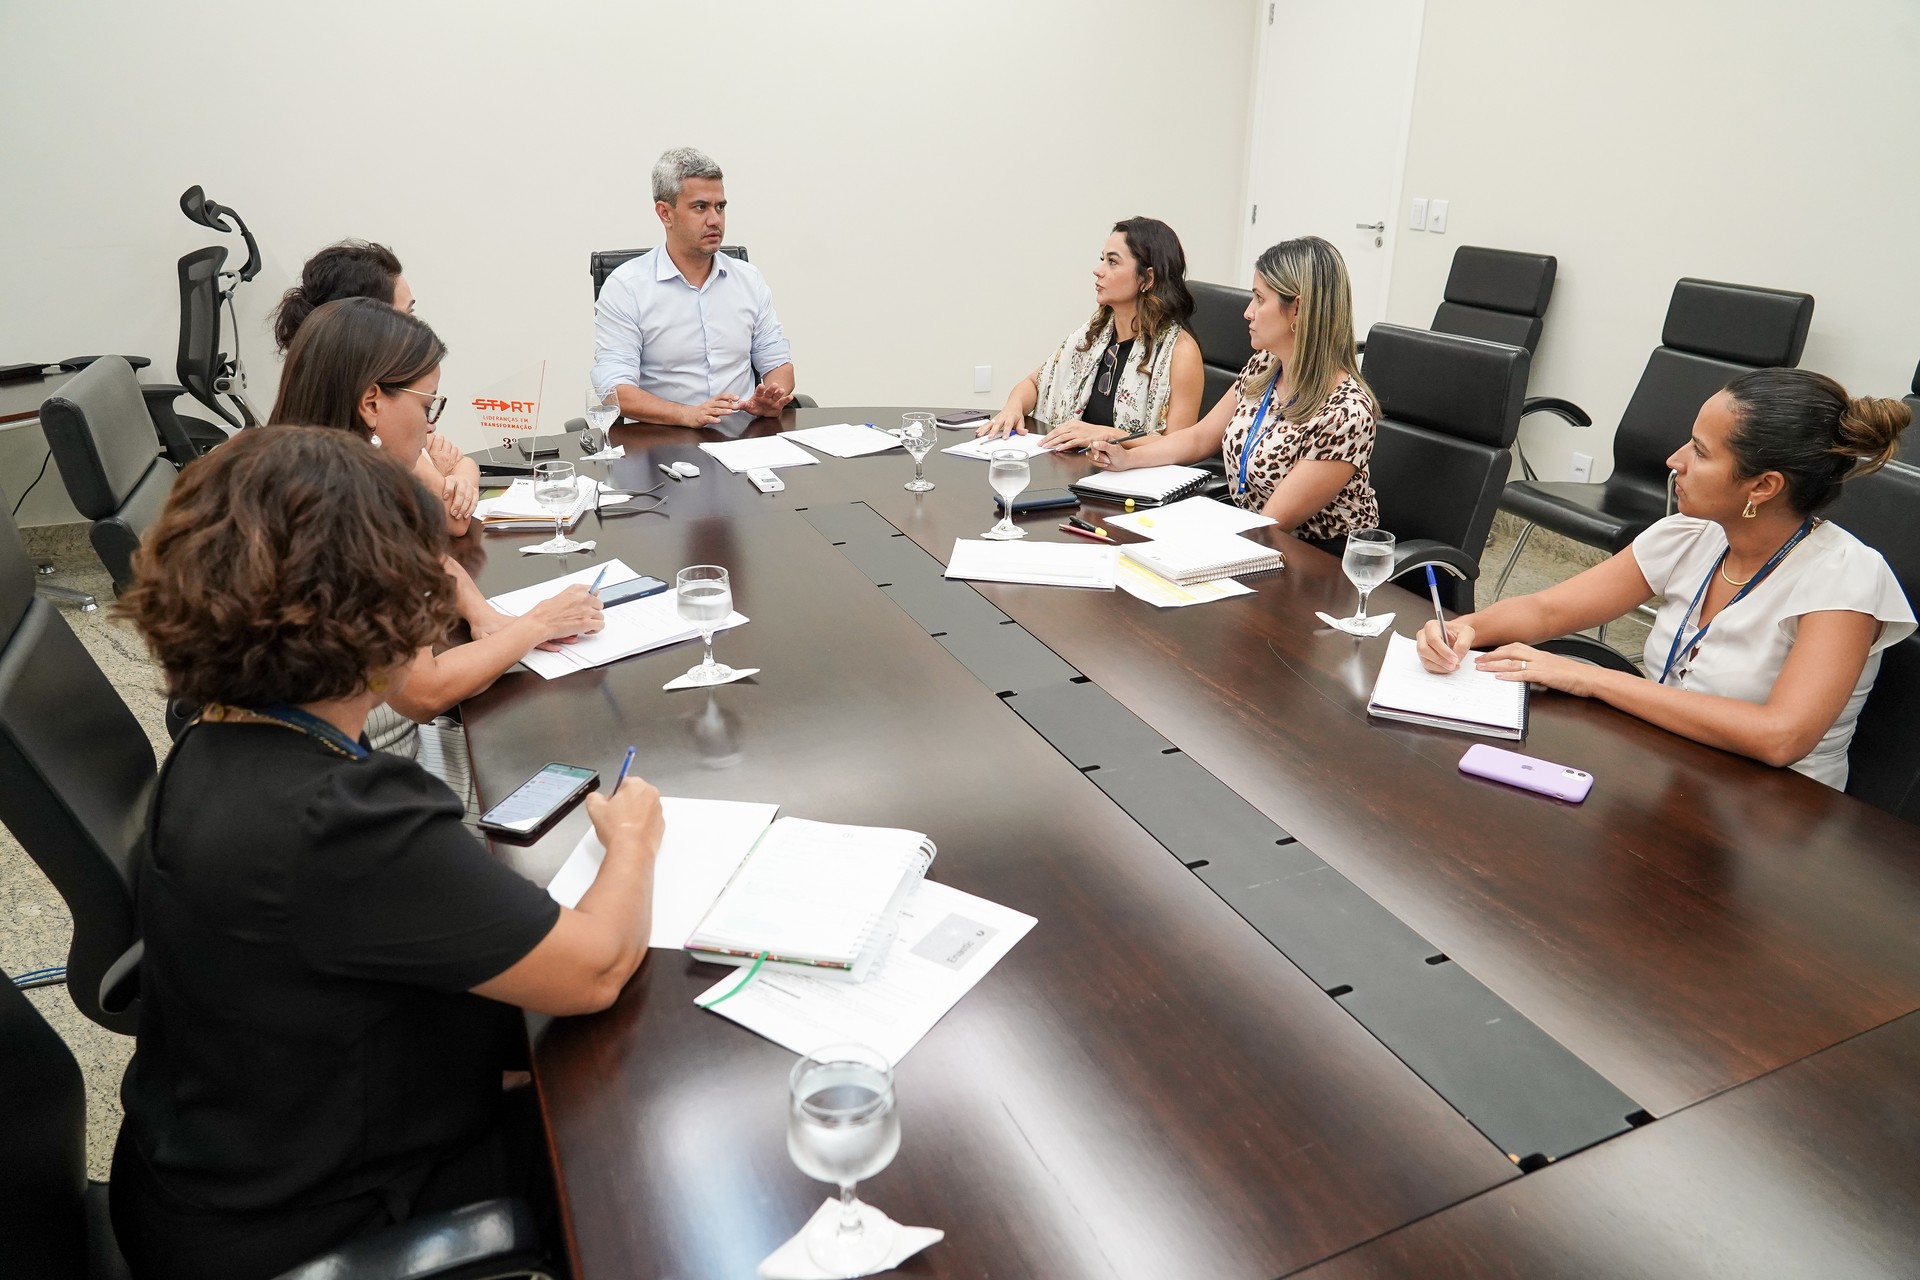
(539, 800)
(965, 418)
(632, 589)
(1039, 500)
(1527, 773)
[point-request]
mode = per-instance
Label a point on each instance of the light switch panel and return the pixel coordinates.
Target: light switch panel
(1417, 219)
(1437, 216)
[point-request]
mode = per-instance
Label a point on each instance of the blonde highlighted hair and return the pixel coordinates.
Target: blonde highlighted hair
(1312, 270)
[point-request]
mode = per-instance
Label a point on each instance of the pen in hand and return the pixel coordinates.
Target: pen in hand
(1439, 614)
(624, 766)
(594, 590)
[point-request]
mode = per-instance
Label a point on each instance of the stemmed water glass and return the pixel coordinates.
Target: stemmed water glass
(1008, 473)
(1368, 562)
(704, 596)
(602, 411)
(556, 490)
(917, 432)
(842, 1126)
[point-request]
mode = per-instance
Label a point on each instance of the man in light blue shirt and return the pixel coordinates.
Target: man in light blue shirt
(684, 334)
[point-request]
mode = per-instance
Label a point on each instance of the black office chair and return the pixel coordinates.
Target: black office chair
(76, 771)
(102, 438)
(210, 375)
(1499, 295)
(1913, 400)
(1714, 333)
(1449, 408)
(55, 1225)
(1883, 511)
(601, 262)
(1219, 325)
(1589, 650)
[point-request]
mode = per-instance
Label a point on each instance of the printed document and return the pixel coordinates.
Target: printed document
(634, 627)
(983, 448)
(759, 451)
(1046, 564)
(1188, 516)
(845, 439)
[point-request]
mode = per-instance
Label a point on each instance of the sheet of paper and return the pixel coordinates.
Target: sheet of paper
(637, 626)
(1046, 564)
(518, 501)
(758, 451)
(1465, 693)
(982, 448)
(1188, 516)
(845, 439)
(515, 603)
(948, 941)
(705, 843)
(1144, 584)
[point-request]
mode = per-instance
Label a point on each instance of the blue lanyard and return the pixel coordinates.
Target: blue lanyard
(1680, 632)
(287, 717)
(1254, 433)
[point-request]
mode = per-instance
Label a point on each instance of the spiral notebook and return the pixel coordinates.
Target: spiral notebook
(817, 898)
(1201, 557)
(1148, 486)
(1467, 700)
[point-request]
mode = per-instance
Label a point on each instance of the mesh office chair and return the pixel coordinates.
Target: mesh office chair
(1714, 332)
(1883, 511)
(1219, 325)
(102, 438)
(1449, 408)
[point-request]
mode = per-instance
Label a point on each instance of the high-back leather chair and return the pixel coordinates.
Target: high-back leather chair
(76, 771)
(1883, 511)
(601, 262)
(1449, 408)
(1497, 295)
(103, 439)
(1913, 399)
(1219, 325)
(1714, 333)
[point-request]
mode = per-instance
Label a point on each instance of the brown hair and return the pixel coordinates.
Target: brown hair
(1167, 302)
(344, 348)
(288, 567)
(1805, 426)
(350, 269)
(1313, 271)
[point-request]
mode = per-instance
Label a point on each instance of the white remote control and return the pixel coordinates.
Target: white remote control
(765, 481)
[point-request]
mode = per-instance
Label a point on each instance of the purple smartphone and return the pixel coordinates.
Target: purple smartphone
(1527, 773)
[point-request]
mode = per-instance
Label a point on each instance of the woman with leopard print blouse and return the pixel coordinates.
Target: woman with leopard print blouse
(1296, 431)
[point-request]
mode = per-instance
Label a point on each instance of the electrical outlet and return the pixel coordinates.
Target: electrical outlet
(1437, 216)
(983, 377)
(1582, 468)
(1417, 219)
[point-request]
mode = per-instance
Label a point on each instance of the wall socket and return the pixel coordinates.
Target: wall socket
(1582, 468)
(982, 377)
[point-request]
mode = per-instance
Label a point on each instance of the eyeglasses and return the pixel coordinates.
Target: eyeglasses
(434, 404)
(1108, 362)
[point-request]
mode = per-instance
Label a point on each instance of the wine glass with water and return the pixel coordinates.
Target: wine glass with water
(1368, 562)
(704, 596)
(556, 490)
(602, 412)
(842, 1127)
(917, 431)
(1008, 473)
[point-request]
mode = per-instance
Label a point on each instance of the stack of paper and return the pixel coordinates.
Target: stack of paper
(1046, 564)
(1143, 584)
(518, 509)
(651, 622)
(1191, 515)
(846, 439)
(758, 451)
(1202, 557)
(984, 447)
(1466, 699)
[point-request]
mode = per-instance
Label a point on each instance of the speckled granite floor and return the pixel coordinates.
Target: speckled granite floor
(34, 923)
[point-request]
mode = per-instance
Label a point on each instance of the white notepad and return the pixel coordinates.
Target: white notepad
(1045, 564)
(1191, 515)
(1145, 485)
(1466, 699)
(845, 439)
(758, 451)
(652, 622)
(984, 447)
(1202, 557)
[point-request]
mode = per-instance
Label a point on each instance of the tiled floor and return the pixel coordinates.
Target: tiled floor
(34, 923)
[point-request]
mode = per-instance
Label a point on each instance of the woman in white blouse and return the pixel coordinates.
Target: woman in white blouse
(1771, 620)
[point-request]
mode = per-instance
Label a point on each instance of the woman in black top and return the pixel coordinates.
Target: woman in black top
(332, 960)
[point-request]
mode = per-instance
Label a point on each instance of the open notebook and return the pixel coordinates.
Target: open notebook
(1466, 700)
(814, 897)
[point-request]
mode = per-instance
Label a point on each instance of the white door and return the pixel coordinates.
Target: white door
(1332, 104)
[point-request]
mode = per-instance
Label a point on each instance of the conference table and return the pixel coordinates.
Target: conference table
(1301, 997)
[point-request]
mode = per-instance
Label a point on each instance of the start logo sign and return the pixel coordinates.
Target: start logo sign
(510, 409)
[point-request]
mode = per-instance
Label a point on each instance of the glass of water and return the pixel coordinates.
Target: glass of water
(704, 596)
(842, 1126)
(1008, 473)
(602, 412)
(1368, 562)
(556, 490)
(917, 433)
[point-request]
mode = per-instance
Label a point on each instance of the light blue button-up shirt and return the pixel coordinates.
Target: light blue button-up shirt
(654, 330)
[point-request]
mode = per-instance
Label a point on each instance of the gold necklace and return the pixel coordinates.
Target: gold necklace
(1733, 581)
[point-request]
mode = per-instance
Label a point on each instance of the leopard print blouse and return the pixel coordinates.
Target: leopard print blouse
(1341, 432)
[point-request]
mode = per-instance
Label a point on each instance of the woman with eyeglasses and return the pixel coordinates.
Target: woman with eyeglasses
(359, 365)
(362, 269)
(1132, 370)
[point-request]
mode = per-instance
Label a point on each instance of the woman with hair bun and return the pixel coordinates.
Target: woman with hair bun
(1771, 620)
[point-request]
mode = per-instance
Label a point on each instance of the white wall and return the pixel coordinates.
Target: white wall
(1770, 142)
(925, 185)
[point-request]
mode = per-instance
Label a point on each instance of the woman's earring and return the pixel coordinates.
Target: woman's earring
(1749, 513)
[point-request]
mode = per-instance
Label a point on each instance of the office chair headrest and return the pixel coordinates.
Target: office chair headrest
(1501, 280)
(1460, 387)
(1765, 328)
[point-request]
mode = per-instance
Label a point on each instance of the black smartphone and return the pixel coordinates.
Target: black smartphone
(965, 418)
(632, 589)
(539, 800)
(541, 446)
(1039, 500)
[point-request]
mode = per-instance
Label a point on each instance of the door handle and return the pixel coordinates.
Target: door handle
(1370, 226)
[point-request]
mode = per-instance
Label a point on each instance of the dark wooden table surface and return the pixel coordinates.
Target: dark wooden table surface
(1144, 1086)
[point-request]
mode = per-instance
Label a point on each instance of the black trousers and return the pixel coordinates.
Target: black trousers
(164, 1237)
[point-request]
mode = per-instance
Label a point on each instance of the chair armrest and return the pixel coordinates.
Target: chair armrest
(804, 401)
(1418, 553)
(1587, 649)
(488, 1239)
(575, 425)
(120, 985)
(1567, 409)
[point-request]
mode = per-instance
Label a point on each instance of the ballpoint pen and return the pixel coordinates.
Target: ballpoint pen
(595, 588)
(624, 766)
(1439, 614)
(1088, 533)
(670, 473)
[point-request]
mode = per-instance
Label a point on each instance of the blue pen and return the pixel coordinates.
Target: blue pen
(595, 588)
(1439, 614)
(624, 766)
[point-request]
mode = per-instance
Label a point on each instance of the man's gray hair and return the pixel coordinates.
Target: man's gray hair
(676, 166)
